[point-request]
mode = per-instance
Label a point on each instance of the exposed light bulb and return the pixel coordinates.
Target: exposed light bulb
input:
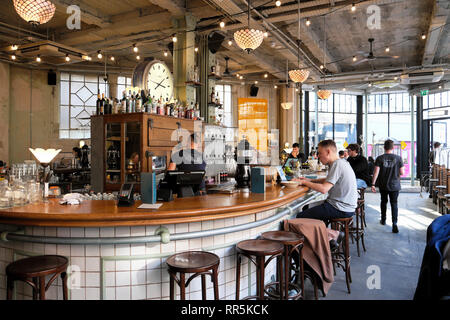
(370, 84)
(278, 3)
(266, 75)
(196, 49)
(321, 66)
(344, 89)
(14, 47)
(135, 49)
(354, 58)
(256, 82)
(265, 34)
(275, 86)
(395, 78)
(387, 49)
(424, 36)
(67, 58)
(112, 58)
(174, 38)
(440, 87)
(165, 54)
(13, 57)
(222, 24)
(237, 75)
(230, 42)
(308, 22)
(138, 57)
(38, 58)
(99, 54)
(353, 7)
(296, 90)
(241, 77)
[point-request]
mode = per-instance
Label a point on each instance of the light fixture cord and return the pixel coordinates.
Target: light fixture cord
(298, 44)
(248, 5)
(324, 47)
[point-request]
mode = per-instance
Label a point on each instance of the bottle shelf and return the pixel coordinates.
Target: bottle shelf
(214, 76)
(193, 83)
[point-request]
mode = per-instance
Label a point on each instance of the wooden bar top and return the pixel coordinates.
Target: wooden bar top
(105, 213)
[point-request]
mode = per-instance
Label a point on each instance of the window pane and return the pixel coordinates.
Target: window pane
(344, 129)
(445, 98)
(406, 102)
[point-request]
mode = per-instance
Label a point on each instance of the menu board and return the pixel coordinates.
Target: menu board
(253, 122)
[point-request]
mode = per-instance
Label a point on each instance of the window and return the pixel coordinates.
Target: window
(224, 93)
(122, 84)
(78, 98)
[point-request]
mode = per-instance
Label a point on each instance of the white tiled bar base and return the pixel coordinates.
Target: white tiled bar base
(137, 271)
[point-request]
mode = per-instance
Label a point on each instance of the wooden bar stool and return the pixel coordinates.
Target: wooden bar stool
(357, 232)
(260, 249)
(361, 201)
(33, 271)
(196, 262)
(341, 256)
(292, 242)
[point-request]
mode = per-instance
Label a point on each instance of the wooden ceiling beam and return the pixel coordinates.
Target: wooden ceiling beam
(176, 7)
(89, 15)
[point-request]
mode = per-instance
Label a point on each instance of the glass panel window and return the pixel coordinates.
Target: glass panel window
(224, 94)
(445, 100)
(122, 84)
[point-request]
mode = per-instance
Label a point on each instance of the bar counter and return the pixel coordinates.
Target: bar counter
(119, 253)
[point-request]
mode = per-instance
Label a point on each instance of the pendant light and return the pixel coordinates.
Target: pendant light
(35, 12)
(324, 94)
(286, 105)
(298, 75)
(249, 39)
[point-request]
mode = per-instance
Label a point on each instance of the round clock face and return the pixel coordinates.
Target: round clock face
(160, 81)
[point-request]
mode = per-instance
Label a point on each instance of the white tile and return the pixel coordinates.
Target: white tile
(195, 226)
(229, 238)
(78, 294)
(38, 248)
(92, 232)
(92, 293)
(150, 230)
(93, 279)
(220, 223)
(139, 264)
(122, 249)
(219, 239)
(195, 244)
(110, 265)
(154, 276)
(107, 250)
(77, 279)
(138, 249)
(50, 249)
(123, 293)
(195, 295)
(230, 275)
(106, 232)
(77, 250)
(165, 289)
(63, 250)
(154, 291)
(196, 284)
(138, 277)
(221, 292)
(153, 248)
(221, 277)
(229, 222)
(207, 225)
(207, 242)
(123, 265)
(181, 245)
(138, 231)
(79, 262)
(123, 231)
(93, 264)
(123, 278)
(229, 262)
(92, 250)
(230, 288)
(138, 293)
(153, 263)
(77, 232)
(110, 279)
(170, 227)
(181, 227)
(165, 277)
(110, 294)
(168, 247)
(38, 231)
(63, 232)
(50, 231)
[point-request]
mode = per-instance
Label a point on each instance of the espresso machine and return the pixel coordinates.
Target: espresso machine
(243, 156)
(85, 157)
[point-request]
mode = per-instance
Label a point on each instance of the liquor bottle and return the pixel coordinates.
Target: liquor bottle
(138, 102)
(97, 111)
(167, 107)
(106, 106)
(196, 112)
(217, 98)
(127, 103)
(123, 103)
(161, 106)
(102, 104)
(154, 108)
(213, 95)
(180, 110)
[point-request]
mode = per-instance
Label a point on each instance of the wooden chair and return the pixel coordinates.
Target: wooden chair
(442, 189)
(341, 255)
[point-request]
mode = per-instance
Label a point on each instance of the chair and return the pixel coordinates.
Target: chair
(341, 255)
(257, 251)
(33, 271)
(357, 231)
(196, 262)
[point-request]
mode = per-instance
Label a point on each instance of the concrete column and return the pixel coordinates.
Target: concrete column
(112, 80)
(184, 57)
(287, 117)
(4, 111)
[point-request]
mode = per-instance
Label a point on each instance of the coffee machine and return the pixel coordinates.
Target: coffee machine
(243, 156)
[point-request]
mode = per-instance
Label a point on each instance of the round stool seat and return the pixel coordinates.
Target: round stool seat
(260, 247)
(37, 266)
(192, 261)
(342, 219)
(285, 237)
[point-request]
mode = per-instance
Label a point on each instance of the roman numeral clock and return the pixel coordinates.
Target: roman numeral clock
(154, 76)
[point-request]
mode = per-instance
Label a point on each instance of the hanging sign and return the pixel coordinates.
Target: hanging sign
(403, 145)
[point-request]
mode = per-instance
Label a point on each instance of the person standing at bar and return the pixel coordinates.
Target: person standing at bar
(340, 184)
(359, 165)
(388, 169)
(296, 154)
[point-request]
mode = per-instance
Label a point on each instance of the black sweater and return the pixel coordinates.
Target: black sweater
(360, 166)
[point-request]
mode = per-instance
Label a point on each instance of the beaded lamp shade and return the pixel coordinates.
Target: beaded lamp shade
(324, 94)
(299, 75)
(35, 12)
(249, 39)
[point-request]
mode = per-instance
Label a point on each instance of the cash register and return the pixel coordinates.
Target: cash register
(183, 183)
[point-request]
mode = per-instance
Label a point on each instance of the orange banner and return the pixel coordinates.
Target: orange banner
(253, 122)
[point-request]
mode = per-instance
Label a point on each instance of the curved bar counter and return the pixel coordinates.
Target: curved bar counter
(119, 252)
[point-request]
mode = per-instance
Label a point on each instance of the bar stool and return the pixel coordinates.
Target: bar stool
(361, 201)
(33, 271)
(260, 249)
(291, 242)
(341, 256)
(357, 232)
(196, 262)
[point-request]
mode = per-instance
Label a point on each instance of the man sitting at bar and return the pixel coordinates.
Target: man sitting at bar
(359, 165)
(340, 184)
(296, 154)
(193, 163)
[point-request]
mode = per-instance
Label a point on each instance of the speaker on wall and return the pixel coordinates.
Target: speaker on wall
(51, 78)
(215, 40)
(253, 91)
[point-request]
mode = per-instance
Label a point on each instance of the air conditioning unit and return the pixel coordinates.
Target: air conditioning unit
(424, 76)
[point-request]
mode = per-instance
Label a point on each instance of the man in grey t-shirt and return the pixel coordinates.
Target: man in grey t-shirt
(340, 184)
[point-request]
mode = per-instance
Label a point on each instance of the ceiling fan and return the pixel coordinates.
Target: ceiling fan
(369, 57)
(227, 72)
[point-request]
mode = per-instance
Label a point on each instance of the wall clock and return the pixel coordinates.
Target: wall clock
(154, 76)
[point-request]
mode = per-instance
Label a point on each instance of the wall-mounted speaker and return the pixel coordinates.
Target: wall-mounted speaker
(170, 47)
(253, 91)
(215, 40)
(51, 78)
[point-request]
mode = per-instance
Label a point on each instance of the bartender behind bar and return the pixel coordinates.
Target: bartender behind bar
(195, 162)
